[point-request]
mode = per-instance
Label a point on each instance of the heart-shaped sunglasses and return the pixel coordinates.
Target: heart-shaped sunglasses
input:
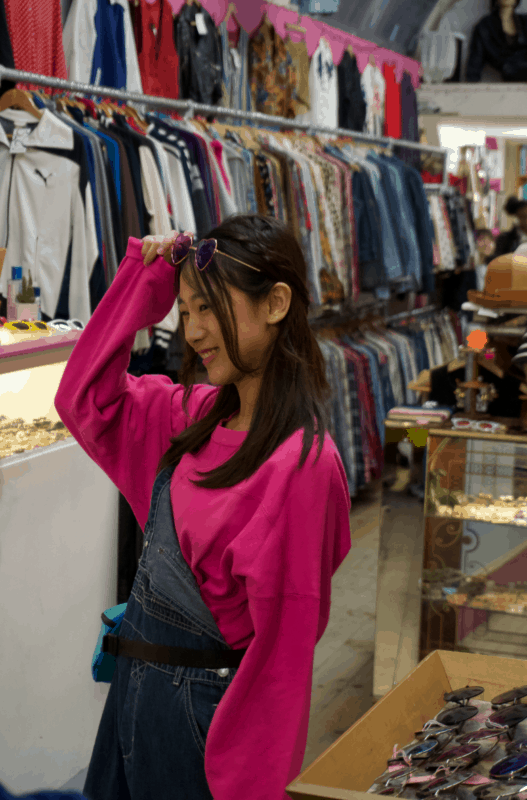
(204, 252)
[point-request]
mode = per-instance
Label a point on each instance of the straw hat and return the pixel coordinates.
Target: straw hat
(505, 283)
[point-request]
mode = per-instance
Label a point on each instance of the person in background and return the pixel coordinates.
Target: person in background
(485, 247)
(509, 241)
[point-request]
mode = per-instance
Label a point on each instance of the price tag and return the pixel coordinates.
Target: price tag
(19, 140)
(236, 58)
(200, 24)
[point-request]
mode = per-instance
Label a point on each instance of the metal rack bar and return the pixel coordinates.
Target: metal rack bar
(415, 313)
(197, 108)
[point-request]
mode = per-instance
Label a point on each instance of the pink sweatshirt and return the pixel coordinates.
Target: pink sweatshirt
(263, 552)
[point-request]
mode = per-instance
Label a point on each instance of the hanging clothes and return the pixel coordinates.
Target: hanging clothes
(57, 198)
(323, 87)
(393, 114)
(236, 89)
(156, 50)
(35, 30)
(199, 50)
(300, 60)
(374, 87)
(352, 102)
(272, 73)
(99, 44)
(409, 124)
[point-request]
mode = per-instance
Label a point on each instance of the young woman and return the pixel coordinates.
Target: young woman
(244, 503)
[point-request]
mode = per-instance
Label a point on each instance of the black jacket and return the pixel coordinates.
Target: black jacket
(507, 242)
(489, 44)
(352, 105)
(200, 57)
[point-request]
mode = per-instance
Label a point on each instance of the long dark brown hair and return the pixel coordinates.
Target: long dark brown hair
(294, 391)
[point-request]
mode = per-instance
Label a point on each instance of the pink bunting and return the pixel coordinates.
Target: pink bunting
(250, 14)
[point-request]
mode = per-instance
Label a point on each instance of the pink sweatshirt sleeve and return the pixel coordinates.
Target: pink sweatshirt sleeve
(122, 422)
(257, 739)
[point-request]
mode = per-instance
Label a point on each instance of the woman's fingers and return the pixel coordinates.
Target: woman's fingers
(154, 246)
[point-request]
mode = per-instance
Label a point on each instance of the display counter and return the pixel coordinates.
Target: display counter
(58, 572)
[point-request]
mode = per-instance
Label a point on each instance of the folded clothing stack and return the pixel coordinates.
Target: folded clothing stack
(420, 415)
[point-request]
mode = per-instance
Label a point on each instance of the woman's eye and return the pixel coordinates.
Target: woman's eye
(185, 313)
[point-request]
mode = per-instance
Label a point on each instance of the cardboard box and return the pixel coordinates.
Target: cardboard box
(347, 769)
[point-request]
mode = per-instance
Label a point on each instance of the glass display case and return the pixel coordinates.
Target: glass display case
(31, 367)
(58, 571)
(475, 544)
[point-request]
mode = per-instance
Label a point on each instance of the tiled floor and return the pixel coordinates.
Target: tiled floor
(343, 665)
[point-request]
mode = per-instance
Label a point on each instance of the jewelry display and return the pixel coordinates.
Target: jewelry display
(19, 436)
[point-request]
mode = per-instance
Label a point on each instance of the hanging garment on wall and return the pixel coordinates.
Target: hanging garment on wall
(393, 114)
(438, 55)
(323, 88)
(35, 30)
(236, 88)
(300, 58)
(200, 62)
(374, 87)
(352, 103)
(156, 50)
(409, 123)
(272, 74)
(99, 44)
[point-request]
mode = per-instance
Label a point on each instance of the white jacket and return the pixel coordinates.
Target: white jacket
(46, 208)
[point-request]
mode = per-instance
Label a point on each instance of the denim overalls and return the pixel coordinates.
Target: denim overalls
(151, 739)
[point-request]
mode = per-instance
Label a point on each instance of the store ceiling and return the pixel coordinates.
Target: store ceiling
(395, 24)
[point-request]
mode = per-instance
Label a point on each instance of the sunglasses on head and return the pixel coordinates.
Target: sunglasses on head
(204, 252)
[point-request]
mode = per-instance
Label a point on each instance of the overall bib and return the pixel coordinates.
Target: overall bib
(151, 738)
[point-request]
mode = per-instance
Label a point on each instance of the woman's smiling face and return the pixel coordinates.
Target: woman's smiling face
(203, 332)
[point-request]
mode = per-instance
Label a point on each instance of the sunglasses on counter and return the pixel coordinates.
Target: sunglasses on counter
(496, 791)
(512, 766)
(463, 755)
(507, 718)
(444, 784)
(457, 716)
(462, 696)
(415, 752)
(25, 326)
(514, 696)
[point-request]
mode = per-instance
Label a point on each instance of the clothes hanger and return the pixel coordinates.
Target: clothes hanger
(231, 12)
(295, 27)
(16, 98)
(133, 112)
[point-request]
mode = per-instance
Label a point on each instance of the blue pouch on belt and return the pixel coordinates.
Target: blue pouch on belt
(103, 664)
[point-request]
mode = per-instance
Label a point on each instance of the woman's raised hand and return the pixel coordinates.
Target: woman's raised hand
(154, 246)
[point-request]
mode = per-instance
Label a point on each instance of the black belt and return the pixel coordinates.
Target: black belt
(174, 656)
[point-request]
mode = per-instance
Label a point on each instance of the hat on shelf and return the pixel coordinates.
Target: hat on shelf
(505, 283)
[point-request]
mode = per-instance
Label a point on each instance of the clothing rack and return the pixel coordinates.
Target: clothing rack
(192, 108)
(416, 312)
